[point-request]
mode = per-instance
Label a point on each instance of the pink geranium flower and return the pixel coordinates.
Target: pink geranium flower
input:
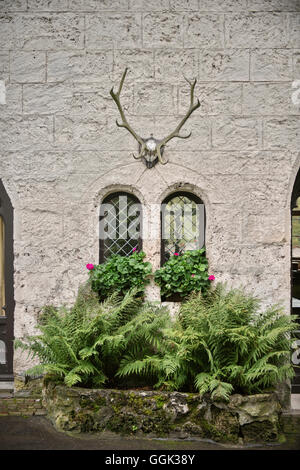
(193, 275)
(211, 277)
(176, 254)
(89, 266)
(134, 249)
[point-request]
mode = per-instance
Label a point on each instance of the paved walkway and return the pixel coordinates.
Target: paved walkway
(37, 433)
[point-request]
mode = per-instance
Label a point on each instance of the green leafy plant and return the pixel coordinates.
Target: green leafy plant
(120, 274)
(72, 343)
(146, 339)
(225, 344)
(183, 274)
(84, 345)
(221, 344)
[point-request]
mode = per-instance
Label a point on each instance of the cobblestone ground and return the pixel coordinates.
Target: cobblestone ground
(37, 433)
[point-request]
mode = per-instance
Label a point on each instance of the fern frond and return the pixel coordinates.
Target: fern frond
(130, 366)
(35, 370)
(221, 390)
(202, 382)
(72, 379)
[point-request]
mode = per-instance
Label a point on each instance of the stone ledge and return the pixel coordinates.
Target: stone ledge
(21, 407)
(24, 398)
(290, 421)
(244, 419)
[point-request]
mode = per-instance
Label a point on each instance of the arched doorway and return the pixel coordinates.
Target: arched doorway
(7, 303)
(295, 276)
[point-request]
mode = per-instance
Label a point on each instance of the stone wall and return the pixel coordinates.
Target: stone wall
(61, 151)
(24, 400)
(241, 420)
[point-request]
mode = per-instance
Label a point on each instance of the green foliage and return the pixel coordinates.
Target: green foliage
(120, 274)
(85, 344)
(73, 343)
(225, 344)
(146, 337)
(183, 274)
(221, 344)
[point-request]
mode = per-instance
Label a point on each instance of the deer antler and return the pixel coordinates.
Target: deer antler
(152, 147)
(175, 133)
(125, 124)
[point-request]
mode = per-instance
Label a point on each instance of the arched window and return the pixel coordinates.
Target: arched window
(2, 352)
(182, 224)
(2, 266)
(296, 230)
(295, 278)
(120, 225)
(7, 302)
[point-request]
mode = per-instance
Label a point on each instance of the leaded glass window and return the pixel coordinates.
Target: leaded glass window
(120, 225)
(7, 303)
(2, 266)
(296, 227)
(183, 224)
(2, 352)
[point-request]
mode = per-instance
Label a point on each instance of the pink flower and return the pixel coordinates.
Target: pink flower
(134, 249)
(89, 266)
(193, 275)
(176, 254)
(211, 277)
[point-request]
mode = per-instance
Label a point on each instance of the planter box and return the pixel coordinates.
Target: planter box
(243, 419)
(172, 298)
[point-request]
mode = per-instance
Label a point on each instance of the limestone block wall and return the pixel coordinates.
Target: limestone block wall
(61, 151)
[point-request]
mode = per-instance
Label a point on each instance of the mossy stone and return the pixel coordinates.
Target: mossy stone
(260, 431)
(159, 414)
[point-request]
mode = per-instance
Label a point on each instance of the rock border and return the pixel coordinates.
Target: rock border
(241, 420)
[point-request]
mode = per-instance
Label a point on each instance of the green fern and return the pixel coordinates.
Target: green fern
(231, 346)
(220, 344)
(79, 345)
(86, 344)
(145, 345)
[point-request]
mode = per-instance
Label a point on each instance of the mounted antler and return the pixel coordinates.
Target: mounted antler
(151, 147)
(116, 98)
(161, 143)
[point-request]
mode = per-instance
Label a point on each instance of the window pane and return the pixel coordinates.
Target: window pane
(296, 230)
(2, 273)
(120, 225)
(2, 352)
(182, 225)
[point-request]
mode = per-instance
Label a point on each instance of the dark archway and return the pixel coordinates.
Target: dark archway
(6, 286)
(295, 275)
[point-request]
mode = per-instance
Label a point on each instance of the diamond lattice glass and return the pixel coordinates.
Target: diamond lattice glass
(120, 225)
(182, 225)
